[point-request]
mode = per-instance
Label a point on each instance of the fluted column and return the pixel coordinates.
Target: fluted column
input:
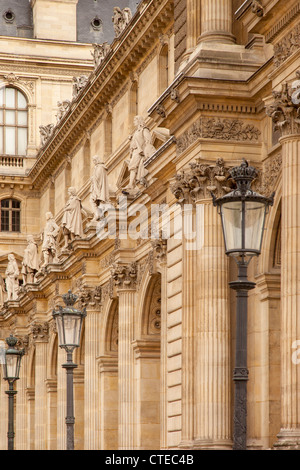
(21, 399)
(124, 276)
(213, 418)
(40, 337)
(206, 420)
(61, 400)
(193, 21)
(284, 112)
(91, 385)
(216, 21)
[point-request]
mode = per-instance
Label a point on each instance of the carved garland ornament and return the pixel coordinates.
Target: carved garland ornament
(287, 46)
(220, 129)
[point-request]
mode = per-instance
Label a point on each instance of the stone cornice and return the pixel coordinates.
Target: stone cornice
(105, 82)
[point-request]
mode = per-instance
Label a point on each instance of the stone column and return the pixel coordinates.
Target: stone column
(216, 21)
(40, 337)
(206, 421)
(284, 112)
(124, 276)
(90, 299)
(193, 20)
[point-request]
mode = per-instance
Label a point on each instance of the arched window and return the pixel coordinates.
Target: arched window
(10, 215)
(13, 122)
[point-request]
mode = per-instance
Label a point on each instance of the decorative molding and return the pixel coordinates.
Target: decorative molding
(270, 174)
(285, 109)
(287, 46)
(217, 128)
(283, 23)
(200, 180)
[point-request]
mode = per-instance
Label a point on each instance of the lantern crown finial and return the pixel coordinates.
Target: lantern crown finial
(11, 341)
(69, 298)
(243, 176)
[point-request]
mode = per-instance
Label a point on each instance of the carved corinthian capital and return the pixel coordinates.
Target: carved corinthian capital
(40, 331)
(124, 275)
(285, 109)
(200, 180)
(90, 297)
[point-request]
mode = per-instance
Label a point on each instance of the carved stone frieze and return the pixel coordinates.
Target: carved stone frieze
(124, 275)
(285, 109)
(217, 128)
(270, 174)
(40, 331)
(287, 46)
(200, 180)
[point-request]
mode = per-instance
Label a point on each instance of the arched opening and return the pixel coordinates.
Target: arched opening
(13, 122)
(163, 69)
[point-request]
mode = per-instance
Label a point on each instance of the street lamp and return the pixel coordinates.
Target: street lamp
(69, 322)
(11, 371)
(243, 213)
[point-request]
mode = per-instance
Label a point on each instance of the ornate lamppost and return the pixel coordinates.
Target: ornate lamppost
(69, 322)
(243, 213)
(11, 371)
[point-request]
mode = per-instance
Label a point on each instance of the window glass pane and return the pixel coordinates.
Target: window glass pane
(5, 203)
(22, 103)
(1, 139)
(22, 141)
(10, 101)
(10, 118)
(10, 141)
(1, 116)
(15, 204)
(22, 118)
(15, 221)
(1, 96)
(5, 221)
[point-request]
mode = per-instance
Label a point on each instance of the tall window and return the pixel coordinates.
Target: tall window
(10, 215)
(13, 122)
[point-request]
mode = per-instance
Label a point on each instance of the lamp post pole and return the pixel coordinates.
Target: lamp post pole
(70, 418)
(240, 373)
(10, 434)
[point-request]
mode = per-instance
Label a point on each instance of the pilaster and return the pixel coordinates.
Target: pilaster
(285, 112)
(125, 278)
(205, 322)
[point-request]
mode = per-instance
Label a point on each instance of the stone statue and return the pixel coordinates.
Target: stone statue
(49, 245)
(30, 264)
(2, 292)
(72, 218)
(99, 53)
(11, 279)
(63, 107)
(45, 133)
(99, 188)
(141, 148)
(120, 19)
(78, 84)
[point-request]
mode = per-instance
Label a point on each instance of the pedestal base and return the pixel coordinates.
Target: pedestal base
(288, 439)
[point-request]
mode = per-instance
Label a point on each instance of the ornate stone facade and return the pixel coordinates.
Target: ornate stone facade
(154, 368)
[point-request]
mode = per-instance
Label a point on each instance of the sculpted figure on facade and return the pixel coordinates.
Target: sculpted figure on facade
(49, 245)
(99, 53)
(2, 292)
(120, 19)
(72, 218)
(45, 133)
(63, 107)
(141, 148)
(30, 263)
(99, 188)
(11, 278)
(78, 84)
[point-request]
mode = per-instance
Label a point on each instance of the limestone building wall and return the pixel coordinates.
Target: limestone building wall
(157, 350)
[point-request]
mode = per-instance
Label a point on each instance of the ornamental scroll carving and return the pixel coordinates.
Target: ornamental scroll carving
(285, 109)
(220, 129)
(200, 180)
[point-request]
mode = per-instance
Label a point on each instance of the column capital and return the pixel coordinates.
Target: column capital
(40, 332)
(285, 109)
(200, 180)
(124, 275)
(90, 297)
